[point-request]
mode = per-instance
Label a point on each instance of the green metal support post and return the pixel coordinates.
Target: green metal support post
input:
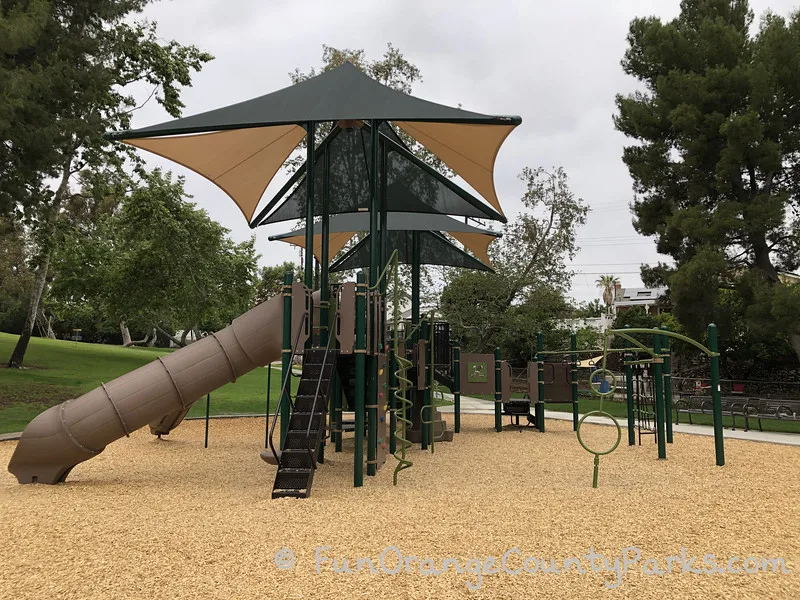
(337, 413)
(719, 444)
(658, 386)
(324, 291)
(424, 393)
(286, 353)
(498, 391)
(429, 384)
(573, 345)
(629, 398)
(266, 411)
(414, 394)
(374, 271)
(539, 412)
(360, 352)
(311, 128)
(415, 284)
(208, 414)
(457, 388)
(667, 385)
(384, 233)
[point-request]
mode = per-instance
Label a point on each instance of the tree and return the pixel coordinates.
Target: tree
(588, 310)
(157, 262)
(608, 283)
(717, 157)
(270, 280)
(70, 63)
(15, 277)
(529, 262)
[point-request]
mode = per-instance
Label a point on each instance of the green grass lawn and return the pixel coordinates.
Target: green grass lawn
(59, 370)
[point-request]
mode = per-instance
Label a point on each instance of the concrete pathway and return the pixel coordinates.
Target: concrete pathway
(476, 406)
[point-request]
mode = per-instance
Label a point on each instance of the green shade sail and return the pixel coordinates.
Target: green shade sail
(435, 249)
(411, 185)
(344, 226)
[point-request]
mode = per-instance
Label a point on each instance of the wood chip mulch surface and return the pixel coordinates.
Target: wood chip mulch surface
(170, 519)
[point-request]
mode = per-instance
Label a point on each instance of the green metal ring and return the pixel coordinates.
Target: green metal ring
(612, 387)
(604, 414)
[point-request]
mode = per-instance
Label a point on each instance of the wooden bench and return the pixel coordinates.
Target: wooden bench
(776, 410)
(703, 405)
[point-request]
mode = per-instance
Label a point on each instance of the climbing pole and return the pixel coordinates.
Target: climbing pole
(402, 402)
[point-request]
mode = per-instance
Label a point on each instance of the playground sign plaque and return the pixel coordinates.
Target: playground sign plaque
(477, 372)
(478, 376)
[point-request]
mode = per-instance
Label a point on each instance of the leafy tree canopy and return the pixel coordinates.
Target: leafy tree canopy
(715, 159)
(157, 261)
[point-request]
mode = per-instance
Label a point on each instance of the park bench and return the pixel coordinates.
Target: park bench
(519, 407)
(703, 405)
(777, 410)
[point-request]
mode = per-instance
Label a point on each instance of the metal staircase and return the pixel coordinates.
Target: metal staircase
(297, 461)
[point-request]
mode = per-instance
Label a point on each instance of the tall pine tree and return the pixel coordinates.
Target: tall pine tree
(716, 158)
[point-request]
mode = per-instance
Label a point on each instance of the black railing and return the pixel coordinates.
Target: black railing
(284, 392)
(442, 350)
(316, 397)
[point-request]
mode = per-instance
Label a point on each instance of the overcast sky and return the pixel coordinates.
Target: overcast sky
(556, 64)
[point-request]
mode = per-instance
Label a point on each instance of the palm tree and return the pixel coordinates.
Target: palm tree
(607, 283)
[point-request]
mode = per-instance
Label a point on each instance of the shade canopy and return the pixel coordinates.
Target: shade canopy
(243, 145)
(434, 249)
(411, 185)
(344, 227)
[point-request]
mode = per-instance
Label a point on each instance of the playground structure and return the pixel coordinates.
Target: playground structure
(656, 420)
(361, 177)
(339, 331)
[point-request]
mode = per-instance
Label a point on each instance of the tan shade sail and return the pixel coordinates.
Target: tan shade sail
(241, 162)
(336, 241)
(469, 149)
(466, 141)
(477, 243)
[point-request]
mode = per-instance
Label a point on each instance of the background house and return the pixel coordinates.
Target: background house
(647, 298)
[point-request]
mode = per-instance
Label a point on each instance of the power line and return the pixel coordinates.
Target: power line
(607, 264)
(606, 272)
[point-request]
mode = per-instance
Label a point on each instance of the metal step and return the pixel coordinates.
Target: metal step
(304, 403)
(297, 459)
(299, 420)
(308, 387)
(292, 479)
(297, 440)
(317, 355)
(291, 493)
(313, 370)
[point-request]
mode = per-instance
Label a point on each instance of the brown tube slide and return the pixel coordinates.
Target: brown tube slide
(76, 430)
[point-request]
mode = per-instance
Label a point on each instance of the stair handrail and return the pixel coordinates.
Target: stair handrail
(316, 395)
(286, 379)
